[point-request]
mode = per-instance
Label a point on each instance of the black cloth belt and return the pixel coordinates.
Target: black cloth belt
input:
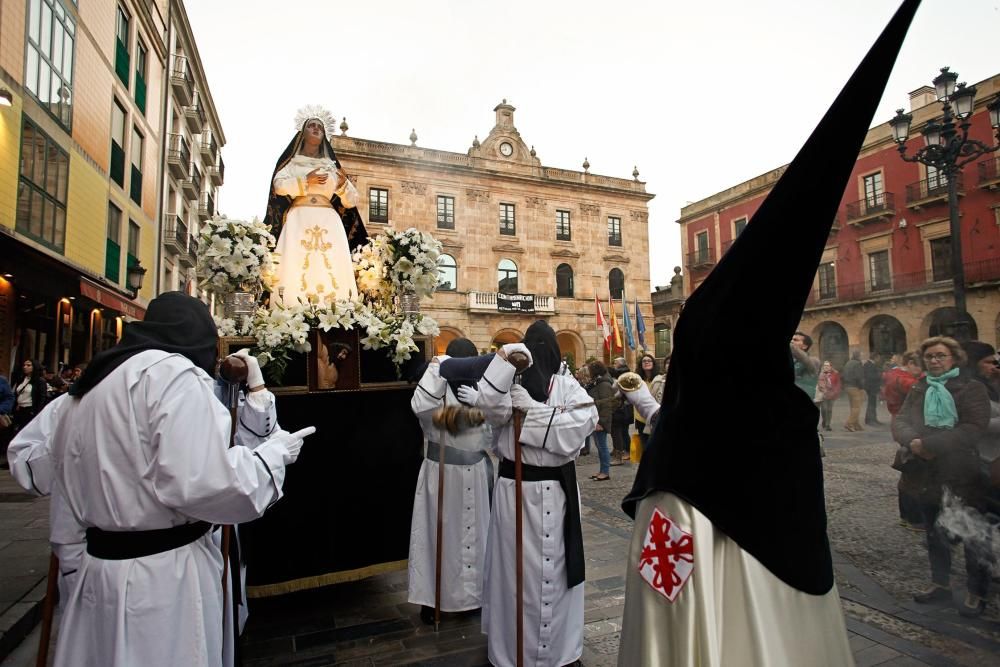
(572, 529)
(125, 544)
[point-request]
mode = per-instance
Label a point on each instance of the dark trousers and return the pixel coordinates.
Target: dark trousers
(978, 556)
(619, 437)
(871, 415)
(826, 413)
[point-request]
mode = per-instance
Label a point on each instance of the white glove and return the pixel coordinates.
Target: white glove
(254, 377)
(521, 399)
(292, 442)
(468, 395)
(517, 347)
(643, 401)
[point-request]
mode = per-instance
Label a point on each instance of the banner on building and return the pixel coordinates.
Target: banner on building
(516, 303)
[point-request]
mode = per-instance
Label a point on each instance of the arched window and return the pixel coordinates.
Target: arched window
(507, 277)
(447, 273)
(616, 283)
(564, 280)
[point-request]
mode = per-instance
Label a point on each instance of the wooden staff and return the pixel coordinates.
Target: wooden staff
(48, 610)
(520, 362)
(440, 525)
(234, 371)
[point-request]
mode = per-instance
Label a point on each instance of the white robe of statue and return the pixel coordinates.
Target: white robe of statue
(162, 460)
(466, 516)
(314, 258)
(553, 613)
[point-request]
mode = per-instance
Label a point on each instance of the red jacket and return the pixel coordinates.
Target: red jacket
(829, 385)
(896, 384)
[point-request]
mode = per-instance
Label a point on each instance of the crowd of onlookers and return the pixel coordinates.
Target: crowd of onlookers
(26, 393)
(616, 416)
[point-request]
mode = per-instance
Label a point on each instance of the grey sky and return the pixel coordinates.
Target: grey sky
(698, 95)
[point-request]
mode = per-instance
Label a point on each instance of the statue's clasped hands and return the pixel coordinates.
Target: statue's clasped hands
(317, 176)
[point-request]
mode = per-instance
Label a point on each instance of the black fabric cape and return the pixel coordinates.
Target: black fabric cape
(278, 205)
(752, 465)
(175, 322)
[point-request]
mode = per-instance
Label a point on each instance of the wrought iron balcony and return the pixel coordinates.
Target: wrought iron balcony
(700, 259)
(181, 80)
(192, 184)
(486, 302)
(871, 209)
(194, 114)
(931, 191)
(206, 206)
(218, 172)
(178, 156)
(989, 173)
(191, 258)
(209, 149)
(175, 234)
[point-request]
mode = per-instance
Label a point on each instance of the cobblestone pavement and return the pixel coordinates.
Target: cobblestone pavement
(878, 565)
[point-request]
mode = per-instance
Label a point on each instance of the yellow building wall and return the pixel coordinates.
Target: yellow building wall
(12, 31)
(93, 83)
(10, 151)
(86, 214)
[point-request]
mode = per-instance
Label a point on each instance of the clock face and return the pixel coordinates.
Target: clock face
(506, 149)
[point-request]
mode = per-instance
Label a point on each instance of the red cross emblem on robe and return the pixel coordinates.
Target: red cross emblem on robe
(667, 558)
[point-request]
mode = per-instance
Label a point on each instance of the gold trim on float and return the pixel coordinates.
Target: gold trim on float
(306, 583)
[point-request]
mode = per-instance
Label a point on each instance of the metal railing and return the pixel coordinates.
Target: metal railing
(700, 257)
(931, 188)
(195, 113)
(989, 171)
(206, 207)
(902, 283)
(178, 154)
(175, 234)
(209, 148)
(881, 203)
(180, 77)
(487, 301)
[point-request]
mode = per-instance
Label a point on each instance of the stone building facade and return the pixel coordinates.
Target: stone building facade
(508, 224)
(885, 280)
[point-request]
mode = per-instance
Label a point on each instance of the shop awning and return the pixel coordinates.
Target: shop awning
(109, 299)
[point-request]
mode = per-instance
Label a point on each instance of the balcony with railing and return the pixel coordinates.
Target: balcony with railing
(209, 149)
(206, 206)
(192, 253)
(218, 172)
(931, 191)
(181, 80)
(701, 258)
(194, 114)
(875, 208)
(486, 302)
(192, 184)
(989, 173)
(178, 156)
(175, 234)
(983, 271)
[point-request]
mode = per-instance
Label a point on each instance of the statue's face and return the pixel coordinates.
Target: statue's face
(313, 132)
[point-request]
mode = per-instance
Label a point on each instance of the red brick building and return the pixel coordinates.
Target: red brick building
(884, 283)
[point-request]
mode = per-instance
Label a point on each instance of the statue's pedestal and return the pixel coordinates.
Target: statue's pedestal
(348, 498)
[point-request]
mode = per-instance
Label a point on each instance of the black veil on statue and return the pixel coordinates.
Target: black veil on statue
(752, 466)
(278, 205)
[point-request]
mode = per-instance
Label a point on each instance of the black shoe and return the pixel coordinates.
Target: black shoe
(972, 607)
(933, 594)
(427, 615)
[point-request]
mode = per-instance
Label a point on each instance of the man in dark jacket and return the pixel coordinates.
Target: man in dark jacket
(601, 389)
(623, 416)
(873, 387)
(854, 384)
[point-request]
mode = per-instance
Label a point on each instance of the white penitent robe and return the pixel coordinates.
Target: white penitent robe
(147, 449)
(553, 613)
(466, 514)
(731, 611)
(28, 453)
(314, 257)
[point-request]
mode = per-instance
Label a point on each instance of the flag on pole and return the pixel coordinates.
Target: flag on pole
(616, 339)
(602, 324)
(626, 321)
(640, 326)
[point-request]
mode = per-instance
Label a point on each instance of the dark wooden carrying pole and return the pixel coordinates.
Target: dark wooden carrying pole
(48, 610)
(520, 362)
(234, 371)
(440, 526)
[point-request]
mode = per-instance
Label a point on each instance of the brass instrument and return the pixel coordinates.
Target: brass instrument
(629, 381)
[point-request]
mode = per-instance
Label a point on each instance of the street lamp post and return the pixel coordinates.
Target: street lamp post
(948, 149)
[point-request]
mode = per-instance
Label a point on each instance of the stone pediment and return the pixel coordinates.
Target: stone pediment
(504, 143)
(616, 257)
(507, 247)
(565, 252)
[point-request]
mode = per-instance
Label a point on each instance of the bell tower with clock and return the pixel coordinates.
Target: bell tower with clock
(504, 142)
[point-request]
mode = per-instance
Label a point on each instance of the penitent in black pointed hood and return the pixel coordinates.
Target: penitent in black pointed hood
(736, 438)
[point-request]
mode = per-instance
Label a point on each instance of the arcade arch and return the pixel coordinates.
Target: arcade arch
(886, 336)
(830, 343)
(570, 343)
(505, 336)
(943, 322)
(447, 335)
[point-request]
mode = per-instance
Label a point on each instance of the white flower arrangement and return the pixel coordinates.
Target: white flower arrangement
(386, 267)
(235, 255)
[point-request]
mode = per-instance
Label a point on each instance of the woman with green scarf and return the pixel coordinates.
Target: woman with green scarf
(942, 419)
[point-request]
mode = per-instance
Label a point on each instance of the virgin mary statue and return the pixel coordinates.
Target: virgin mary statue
(312, 211)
